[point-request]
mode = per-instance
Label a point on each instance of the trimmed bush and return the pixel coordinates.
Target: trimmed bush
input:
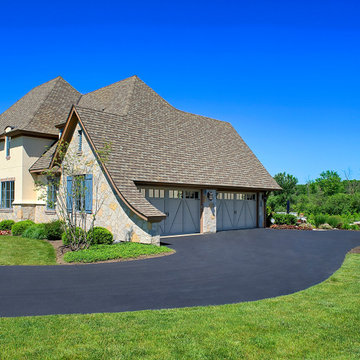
(346, 226)
(36, 231)
(6, 224)
(335, 221)
(18, 228)
(285, 219)
(54, 230)
(66, 239)
(100, 235)
(320, 219)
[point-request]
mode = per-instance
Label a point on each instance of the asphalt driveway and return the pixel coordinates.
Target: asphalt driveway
(214, 269)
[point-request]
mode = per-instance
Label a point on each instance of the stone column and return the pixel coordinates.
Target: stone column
(208, 218)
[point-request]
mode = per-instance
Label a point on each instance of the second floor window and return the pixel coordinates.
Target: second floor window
(7, 194)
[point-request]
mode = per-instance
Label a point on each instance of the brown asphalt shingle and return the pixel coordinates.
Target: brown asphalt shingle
(42, 108)
(151, 141)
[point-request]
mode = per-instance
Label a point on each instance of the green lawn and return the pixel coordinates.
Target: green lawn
(125, 250)
(322, 322)
(15, 250)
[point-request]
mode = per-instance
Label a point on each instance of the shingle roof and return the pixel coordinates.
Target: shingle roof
(152, 142)
(156, 143)
(42, 108)
(44, 161)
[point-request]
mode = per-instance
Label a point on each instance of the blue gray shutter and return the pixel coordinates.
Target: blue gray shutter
(69, 197)
(88, 193)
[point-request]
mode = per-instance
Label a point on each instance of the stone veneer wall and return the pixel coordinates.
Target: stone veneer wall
(113, 214)
(209, 211)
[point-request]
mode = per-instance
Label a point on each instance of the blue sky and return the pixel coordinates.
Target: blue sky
(284, 73)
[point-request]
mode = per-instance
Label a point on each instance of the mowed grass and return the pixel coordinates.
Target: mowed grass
(322, 322)
(15, 250)
(125, 250)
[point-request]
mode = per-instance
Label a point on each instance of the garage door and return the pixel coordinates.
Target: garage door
(235, 210)
(182, 208)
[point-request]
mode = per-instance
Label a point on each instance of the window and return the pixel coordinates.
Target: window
(79, 193)
(7, 146)
(52, 189)
(80, 140)
(7, 194)
(156, 193)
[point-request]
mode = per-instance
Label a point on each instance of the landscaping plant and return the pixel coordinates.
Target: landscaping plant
(54, 230)
(100, 235)
(36, 231)
(6, 224)
(18, 228)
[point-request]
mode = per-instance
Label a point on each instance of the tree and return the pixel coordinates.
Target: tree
(77, 180)
(288, 184)
(329, 182)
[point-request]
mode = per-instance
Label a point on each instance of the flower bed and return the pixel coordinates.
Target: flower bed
(292, 227)
(5, 232)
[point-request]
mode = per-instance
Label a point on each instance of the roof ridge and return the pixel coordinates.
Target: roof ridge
(116, 82)
(28, 93)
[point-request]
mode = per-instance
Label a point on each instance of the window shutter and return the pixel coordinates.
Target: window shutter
(69, 198)
(88, 193)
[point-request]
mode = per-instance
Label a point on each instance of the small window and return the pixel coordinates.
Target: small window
(219, 196)
(7, 146)
(143, 191)
(7, 194)
(162, 193)
(80, 140)
(51, 194)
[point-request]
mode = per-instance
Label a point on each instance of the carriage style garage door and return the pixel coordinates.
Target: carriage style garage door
(182, 208)
(235, 210)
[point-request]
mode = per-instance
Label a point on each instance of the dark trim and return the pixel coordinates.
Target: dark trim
(199, 186)
(18, 132)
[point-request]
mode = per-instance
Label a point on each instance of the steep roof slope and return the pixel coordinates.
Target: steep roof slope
(42, 108)
(154, 142)
(113, 98)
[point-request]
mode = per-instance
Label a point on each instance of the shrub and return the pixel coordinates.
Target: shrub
(54, 230)
(354, 227)
(66, 238)
(36, 231)
(100, 235)
(335, 221)
(18, 228)
(6, 224)
(346, 226)
(320, 219)
(325, 227)
(285, 219)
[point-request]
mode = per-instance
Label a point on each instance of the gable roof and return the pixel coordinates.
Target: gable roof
(42, 108)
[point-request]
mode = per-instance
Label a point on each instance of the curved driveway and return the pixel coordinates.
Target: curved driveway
(214, 269)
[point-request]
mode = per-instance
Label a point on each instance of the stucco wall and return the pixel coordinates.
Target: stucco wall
(24, 151)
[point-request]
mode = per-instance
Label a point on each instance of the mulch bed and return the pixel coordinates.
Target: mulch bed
(355, 250)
